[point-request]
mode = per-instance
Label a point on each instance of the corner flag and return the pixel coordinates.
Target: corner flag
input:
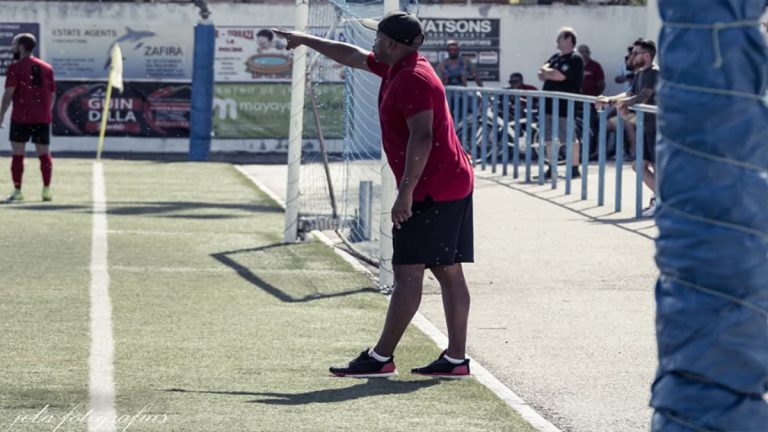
(115, 80)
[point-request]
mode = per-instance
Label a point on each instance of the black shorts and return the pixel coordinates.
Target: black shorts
(438, 233)
(649, 147)
(649, 139)
(38, 133)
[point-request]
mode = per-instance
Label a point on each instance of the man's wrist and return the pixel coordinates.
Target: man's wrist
(406, 189)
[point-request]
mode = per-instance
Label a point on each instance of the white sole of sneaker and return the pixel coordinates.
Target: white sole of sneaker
(379, 375)
(451, 377)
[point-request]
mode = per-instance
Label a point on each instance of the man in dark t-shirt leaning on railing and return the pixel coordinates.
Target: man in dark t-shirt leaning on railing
(642, 91)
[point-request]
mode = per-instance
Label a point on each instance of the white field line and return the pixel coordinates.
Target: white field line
(101, 387)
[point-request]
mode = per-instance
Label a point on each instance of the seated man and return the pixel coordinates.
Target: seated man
(516, 82)
(642, 91)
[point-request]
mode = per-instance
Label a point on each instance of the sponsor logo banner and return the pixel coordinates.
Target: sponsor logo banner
(477, 37)
(143, 109)
(156, 53)
(262, 110)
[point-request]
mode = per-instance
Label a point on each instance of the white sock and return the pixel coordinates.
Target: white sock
(453, 360)
(378, 357)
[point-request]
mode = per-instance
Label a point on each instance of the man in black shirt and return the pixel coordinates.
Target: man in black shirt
(563, 72)
(642, 91)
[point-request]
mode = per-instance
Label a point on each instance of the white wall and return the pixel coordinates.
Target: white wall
(528, 35)
(529, 32)
(653, 20)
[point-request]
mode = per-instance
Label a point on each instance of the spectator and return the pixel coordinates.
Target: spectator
(563, 72)
(594, 78)
(642, 91)
(626, 73)
(456, 70)
(516, 82)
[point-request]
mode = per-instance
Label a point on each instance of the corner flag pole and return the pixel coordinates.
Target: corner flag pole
(115, 80)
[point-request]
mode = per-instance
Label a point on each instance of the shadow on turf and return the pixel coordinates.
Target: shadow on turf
(368, 388)
(159, 208)
(247, 274)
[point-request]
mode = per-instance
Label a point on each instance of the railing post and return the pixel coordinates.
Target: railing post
(639, 163)
(473, 140)
(586, 130)
(569, 133)
(601, 158)
(516, 148)
(619, 159)
(464, 119)
(542, 137)
(505, 134)
(554, 154)
(483, 125)
(528, 138)
(454, 95)
(493, 129)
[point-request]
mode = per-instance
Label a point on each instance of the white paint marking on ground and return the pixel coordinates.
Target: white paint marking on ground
(487, 379)
(101, 386)
(346, 256)
(480, 373)
(357, 265)
(261, 186)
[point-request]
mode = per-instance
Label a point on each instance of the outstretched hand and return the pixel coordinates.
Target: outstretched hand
(293, 38)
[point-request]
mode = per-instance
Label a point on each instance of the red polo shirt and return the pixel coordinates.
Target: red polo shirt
(593, 74)
(34, 82)
(408, 88)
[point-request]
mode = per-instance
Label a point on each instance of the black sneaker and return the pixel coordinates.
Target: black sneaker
(575, 172)
(548, 174)
(442, 368)
(365, 366)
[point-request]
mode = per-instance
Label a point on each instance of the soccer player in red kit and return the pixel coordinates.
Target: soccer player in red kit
(29, 84)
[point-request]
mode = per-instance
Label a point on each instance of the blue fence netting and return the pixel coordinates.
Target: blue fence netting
(712, 248)
(507, 131)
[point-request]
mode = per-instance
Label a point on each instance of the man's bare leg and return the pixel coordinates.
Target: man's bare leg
(403, 305)
(649, 175)
(17, 169)
(456, 305)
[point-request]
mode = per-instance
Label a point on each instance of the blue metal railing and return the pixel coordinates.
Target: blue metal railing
(490, 121)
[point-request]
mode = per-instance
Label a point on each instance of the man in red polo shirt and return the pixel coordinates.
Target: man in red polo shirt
(29, 84)
(432, 214)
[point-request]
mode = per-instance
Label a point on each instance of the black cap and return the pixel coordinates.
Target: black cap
(398, 25)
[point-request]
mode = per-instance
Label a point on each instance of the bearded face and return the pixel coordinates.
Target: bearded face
(453, 52)
(16, 50)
